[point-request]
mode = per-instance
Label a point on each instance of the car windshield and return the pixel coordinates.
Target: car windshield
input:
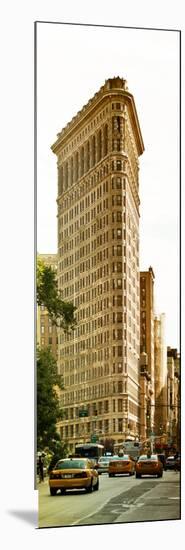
(124, 457)
(145, 457)
(68, 464)
(104, 459)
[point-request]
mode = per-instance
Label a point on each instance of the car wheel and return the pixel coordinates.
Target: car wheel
(160, 475)
(52, 491)
(96, 487)
(90, 488)
(63, 491)
(138, 476)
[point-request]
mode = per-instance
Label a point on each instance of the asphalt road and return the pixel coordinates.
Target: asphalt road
(119, 500)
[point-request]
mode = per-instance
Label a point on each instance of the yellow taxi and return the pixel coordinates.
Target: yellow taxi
(121, 465)
(149, 464)
(73, 473)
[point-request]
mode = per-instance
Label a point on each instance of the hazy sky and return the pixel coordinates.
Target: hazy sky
(73, 62)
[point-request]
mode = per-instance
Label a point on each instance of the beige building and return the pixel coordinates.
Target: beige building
(46, 331)
(147, 375)
(173, 397)
(98, 249)
(145, 397)
(160, 362)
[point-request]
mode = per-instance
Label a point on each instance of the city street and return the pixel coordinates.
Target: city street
(120, 499)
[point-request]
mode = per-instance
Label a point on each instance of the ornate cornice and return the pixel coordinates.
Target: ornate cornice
(112, 87)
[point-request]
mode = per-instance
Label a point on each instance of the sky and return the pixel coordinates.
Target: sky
(73, 62)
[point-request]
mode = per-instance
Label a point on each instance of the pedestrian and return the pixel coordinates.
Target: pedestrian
(41, 468)
(176, 456)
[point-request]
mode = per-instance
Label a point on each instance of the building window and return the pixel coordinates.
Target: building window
(119, 317)
(120, 405)
(106, 406)
(120, 425)
(82, 162)
(106, 426)
(93, 151)
(120, 387)
(118, 164)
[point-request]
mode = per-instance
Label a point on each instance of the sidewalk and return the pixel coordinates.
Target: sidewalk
(39, 484)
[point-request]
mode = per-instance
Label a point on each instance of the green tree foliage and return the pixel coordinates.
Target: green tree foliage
(48, 407)
(61, 313)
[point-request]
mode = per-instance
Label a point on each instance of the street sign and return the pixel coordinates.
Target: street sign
(94, 438)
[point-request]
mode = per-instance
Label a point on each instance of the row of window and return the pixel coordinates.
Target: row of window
(90, 153)
(87, 129)
(102, 427)
(100, 272)
(45, 328)
(85, 297)
(101, 408)
(85, 234)
(117, 183)
(92, 326)
(89, 232)
(95, 149)
(104, 288)
(93, 391)
(117, 165)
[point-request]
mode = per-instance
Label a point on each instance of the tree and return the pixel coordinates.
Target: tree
(48, 407)
(61, 313)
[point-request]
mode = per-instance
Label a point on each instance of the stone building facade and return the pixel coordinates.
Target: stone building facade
(160, 365)
(173, 397)
(98, 253)
(147, 373)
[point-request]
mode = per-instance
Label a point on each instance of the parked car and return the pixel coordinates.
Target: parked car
(103, 464)
(149, 465)
(121, 465)
(170, 463)
(73, 473)
(178, 463)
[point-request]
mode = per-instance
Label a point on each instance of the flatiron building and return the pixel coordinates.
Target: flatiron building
(98, 266)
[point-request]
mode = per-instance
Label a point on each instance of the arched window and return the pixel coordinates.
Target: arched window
(93, 151)
(82, 161)
(87, 156)
(72, 175)
(60, 180)
(76, 167)
(105, 140)
(99, 146)
(66, 175)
